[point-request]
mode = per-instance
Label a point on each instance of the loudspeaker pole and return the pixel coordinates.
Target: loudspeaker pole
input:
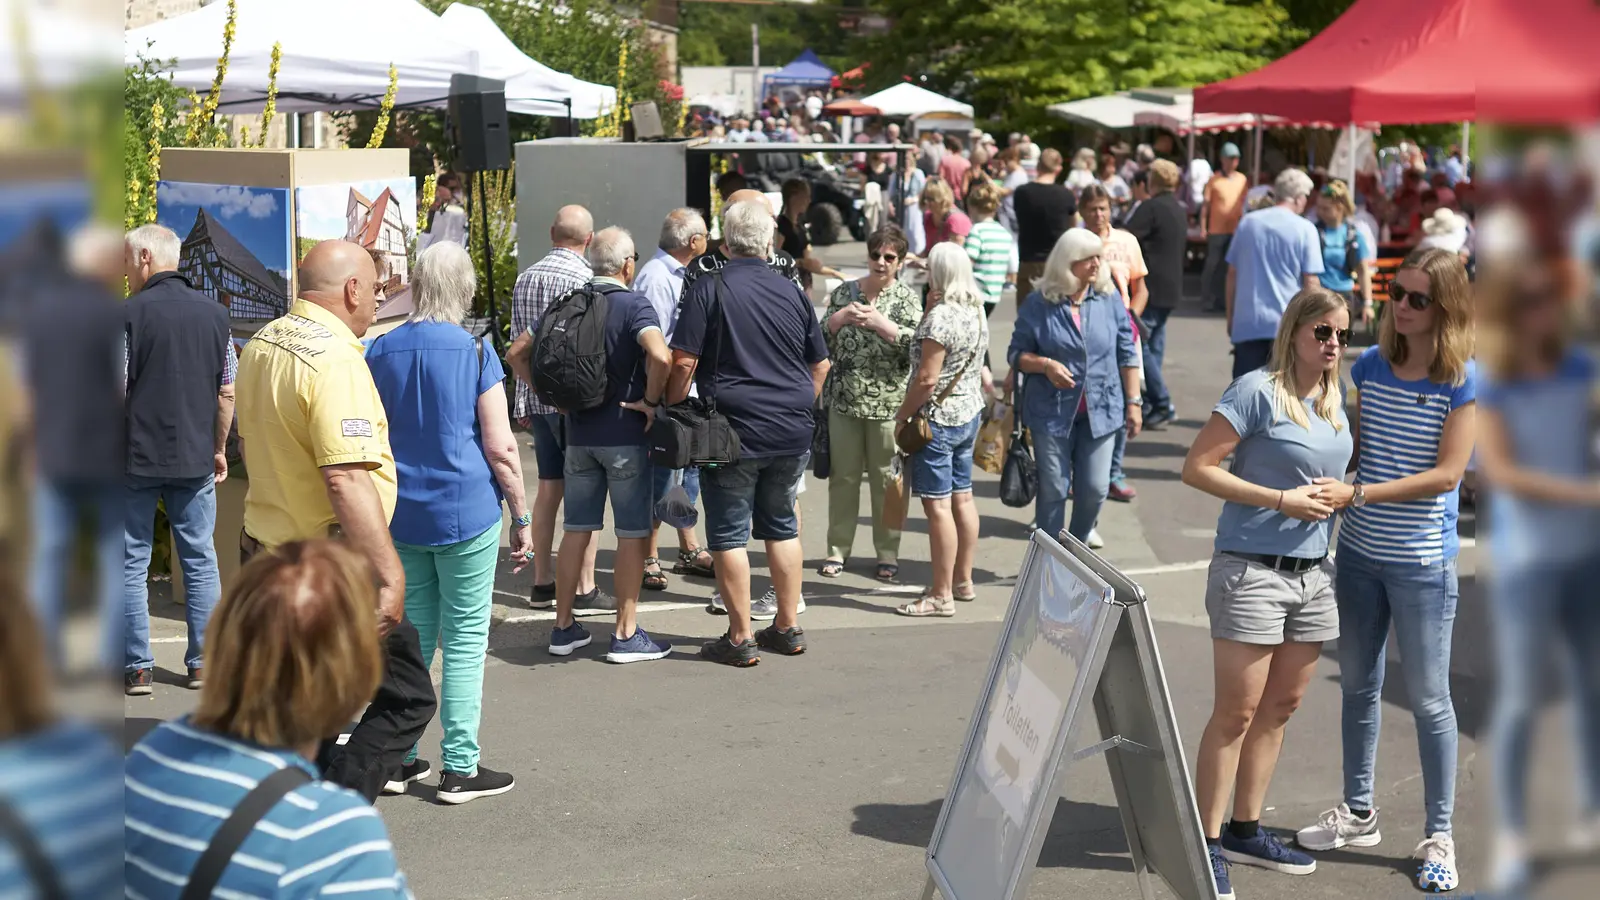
(488, 265)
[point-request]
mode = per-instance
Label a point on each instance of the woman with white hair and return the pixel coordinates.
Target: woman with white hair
(947, 377)
(1074, 334)
(1082, 173)
(457, 460)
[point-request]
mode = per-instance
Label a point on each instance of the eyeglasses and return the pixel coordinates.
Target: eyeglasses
(1415, 299)
(1326, 333)
(882, 257)
(634, 257)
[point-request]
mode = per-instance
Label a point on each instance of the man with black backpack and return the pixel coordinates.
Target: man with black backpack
(600, 357)
(749, 338)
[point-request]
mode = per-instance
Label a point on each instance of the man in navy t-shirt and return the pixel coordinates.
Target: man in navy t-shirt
(606, 455)
(763, 363)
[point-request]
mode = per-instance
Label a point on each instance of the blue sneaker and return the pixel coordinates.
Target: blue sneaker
(1267, 852)
(1219, 872)
(565, 640)
(639, 648)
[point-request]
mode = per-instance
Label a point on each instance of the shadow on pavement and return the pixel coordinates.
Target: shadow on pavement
(1081, 835)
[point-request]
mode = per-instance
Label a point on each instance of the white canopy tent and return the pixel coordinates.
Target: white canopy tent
(906, 99)
(336, 53)
(54, 50)
(1112, 112)
(531, 87)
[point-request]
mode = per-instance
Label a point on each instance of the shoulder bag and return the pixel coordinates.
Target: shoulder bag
(693, 433)
(917, 433)
(1019, 476)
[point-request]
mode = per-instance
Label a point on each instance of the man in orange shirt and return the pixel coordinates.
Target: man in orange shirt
(1219, 216)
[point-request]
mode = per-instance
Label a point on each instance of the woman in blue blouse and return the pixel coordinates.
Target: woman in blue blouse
(1074, 336)
(1536, 456)
(1414, 427)
(456, 459)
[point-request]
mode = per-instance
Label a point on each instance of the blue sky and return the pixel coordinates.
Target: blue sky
(258, 217)
(21, 205)
(321, 207)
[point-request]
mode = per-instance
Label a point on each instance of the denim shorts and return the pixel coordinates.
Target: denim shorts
(549, 444)
(624, 473)
(944, 467)
(753, 498)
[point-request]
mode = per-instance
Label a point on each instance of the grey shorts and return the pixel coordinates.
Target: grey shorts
(1255, 604)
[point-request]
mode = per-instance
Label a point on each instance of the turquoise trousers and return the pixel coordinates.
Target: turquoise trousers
(449, 590)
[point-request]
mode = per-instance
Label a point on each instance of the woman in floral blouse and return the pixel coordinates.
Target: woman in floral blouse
(868, 327)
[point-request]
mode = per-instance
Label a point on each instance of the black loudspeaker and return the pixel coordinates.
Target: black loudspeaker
(478, 123)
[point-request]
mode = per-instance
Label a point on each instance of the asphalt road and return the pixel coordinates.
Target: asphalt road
(821, 776)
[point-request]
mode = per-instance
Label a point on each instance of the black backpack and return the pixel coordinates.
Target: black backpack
(569, 352)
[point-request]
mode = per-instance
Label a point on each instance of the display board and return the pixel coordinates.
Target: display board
(1077, 635)
(1048, 659)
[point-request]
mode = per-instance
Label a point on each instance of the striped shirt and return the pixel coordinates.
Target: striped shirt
(320, 840)
(561, 272)
(62, 783)
(1401, 424)
(994, 256)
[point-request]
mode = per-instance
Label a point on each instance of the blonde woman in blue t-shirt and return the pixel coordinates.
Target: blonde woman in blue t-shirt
(1269, 591)
(1414, 426)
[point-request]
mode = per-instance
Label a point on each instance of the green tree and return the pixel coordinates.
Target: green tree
(718, 34)
(1012, 58)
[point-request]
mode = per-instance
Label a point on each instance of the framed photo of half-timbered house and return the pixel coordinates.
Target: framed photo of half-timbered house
(236, 244)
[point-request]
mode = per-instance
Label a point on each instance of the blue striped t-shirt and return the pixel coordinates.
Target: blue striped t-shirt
(1401, 425)
(320, 840)
(62, 783)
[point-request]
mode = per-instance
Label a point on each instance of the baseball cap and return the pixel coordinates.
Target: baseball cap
(1230, 149)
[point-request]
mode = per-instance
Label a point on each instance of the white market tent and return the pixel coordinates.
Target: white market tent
(906, 99)
(323, 68)
(531, 87)
(1112, 112)
(336, 53)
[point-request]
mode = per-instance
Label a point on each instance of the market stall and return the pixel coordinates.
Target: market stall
(532, 88)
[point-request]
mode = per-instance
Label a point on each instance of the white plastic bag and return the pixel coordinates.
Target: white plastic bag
(676, 509)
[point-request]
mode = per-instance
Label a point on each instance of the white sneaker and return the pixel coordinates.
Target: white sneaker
(766, 607)
(762, 609)
(1095, 541)
(1438, 870)
(1338, 827)
(1510, 872)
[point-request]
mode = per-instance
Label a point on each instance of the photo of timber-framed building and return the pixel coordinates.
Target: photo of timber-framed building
(219, 266)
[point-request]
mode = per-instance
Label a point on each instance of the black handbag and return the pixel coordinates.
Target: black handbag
(693, 433)
(1019, 477)
(821, 454)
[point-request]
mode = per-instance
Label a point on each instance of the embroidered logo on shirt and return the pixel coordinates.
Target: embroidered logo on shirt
(356, 428)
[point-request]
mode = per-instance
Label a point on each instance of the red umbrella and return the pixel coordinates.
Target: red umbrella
(851, 108)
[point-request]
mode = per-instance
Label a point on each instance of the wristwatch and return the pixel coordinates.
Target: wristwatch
(522, 520)
(1359, 498)
(1136, 401)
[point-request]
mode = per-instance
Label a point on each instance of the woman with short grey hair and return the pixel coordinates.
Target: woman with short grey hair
(457, 460)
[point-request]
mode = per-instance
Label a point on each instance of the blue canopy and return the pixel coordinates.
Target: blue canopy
(806, 71)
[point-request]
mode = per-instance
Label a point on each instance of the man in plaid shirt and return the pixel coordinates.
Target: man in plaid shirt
(563, 270)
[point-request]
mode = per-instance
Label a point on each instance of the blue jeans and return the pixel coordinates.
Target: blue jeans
(58, 508)
(944, 467)
(622, 472)
(1214, 278)
(192, 509)
(1249, 356)
(1421, 602)
(1077, 462)
(754, 497)
(1539, 611)
(1156, 395)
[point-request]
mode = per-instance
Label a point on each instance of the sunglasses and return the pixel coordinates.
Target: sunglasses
(1415, 299)
(882, 257)
(1326, 333)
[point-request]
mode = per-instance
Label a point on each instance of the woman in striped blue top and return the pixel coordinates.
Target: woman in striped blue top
(292, 655)
(1414, 427)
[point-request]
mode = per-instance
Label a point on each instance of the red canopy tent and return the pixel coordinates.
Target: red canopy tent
(1524, 61)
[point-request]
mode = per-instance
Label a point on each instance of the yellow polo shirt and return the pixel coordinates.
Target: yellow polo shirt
(305, 399)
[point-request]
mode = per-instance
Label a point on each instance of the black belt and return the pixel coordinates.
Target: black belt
(1291, 564)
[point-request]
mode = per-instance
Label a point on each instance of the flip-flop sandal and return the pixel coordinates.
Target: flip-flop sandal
(831, 569)
(888, 571)
(654, 578)
(689, 563)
